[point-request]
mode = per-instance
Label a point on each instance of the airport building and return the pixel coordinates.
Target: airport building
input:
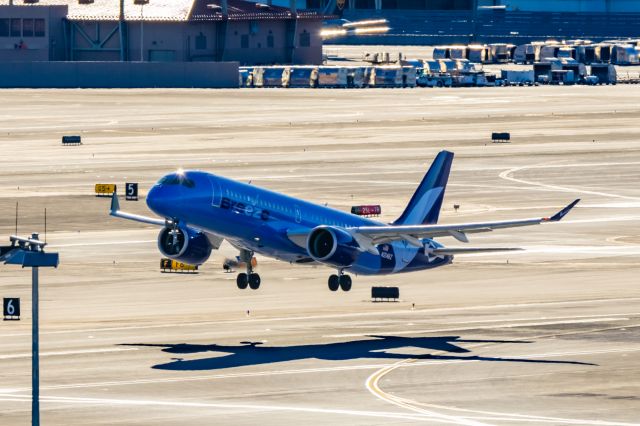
(149, 43)
(179, 32)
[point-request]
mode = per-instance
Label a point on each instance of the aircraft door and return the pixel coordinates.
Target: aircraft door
(216, 192)
(298, 214)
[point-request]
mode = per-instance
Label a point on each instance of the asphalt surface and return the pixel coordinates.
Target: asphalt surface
(549, 335)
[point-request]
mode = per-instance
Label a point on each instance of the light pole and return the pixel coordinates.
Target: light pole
(141, 3)
(29, 252)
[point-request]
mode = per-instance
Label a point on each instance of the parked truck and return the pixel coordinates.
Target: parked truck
(606, 73)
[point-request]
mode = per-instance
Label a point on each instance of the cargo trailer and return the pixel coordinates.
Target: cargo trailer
(385, 77)
(332, 77)
(300, 77)
(606, 73)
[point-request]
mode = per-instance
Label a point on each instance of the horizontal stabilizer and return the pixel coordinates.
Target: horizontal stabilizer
(463, 250)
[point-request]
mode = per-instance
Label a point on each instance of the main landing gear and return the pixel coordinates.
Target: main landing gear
(250, 279)
(340, 281)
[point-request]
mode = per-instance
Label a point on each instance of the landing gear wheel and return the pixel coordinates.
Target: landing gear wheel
(334, 283)
(254, 281)
(242, 281)
(345, 282)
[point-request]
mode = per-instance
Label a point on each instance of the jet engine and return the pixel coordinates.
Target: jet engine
(184, 244)
(333, 246)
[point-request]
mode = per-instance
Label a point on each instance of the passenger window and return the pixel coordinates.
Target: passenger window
(16, 27)
(27, 27)
(39, 28)
(4, 27)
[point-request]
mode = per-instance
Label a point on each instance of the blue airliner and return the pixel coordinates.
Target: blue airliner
(198, 210)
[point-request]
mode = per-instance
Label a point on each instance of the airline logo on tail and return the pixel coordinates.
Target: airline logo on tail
(424, 207)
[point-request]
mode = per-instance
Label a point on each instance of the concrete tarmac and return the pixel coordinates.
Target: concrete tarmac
(548, 336)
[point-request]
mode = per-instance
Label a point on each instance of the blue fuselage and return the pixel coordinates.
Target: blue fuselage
(262, 221)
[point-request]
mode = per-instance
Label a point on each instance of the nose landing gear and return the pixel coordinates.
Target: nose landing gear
(250, 279)
(342, 281)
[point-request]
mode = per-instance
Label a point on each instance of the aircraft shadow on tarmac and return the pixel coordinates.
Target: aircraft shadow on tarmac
(252, 353)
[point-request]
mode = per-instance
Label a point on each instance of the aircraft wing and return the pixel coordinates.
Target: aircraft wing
(298, 236)
(116, 212)
(373, 235)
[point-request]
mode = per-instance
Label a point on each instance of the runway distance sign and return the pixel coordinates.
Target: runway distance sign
(388, 293)
(105, 189)
(171, 265)
(369, 210)
(11, 308)
(131, 191)
(71, 140)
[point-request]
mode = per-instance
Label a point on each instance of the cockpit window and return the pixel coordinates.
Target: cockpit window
(177, 180)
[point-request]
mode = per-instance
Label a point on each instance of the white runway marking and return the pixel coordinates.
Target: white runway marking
(78, 352)
(511, 417)
(256, 407)
(630, 314)
(373, 387)
(107, 243)
(600, 251)
(506, 175)
(481, 327)
(524, 305)
(415, 363)
(372, 384)
(604, 219)
(225, 376)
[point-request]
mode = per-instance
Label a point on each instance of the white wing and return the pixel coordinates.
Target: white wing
(115, 211)
(369, 236)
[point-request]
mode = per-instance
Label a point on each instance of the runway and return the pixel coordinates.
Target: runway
(546, 336)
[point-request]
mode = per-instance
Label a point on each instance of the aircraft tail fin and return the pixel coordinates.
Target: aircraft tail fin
(424, 207)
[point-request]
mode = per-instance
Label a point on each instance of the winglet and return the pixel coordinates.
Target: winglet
(115, 212)
(562, 213)
(115, 204)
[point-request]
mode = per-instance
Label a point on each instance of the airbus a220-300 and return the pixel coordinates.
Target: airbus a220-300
(199, 210)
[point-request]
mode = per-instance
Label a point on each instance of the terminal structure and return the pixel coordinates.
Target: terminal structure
(150, 43)
(159, 31)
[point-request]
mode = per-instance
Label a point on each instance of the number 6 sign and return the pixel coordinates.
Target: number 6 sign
(11, 308)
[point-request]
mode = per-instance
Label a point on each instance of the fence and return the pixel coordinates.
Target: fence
(118, 74)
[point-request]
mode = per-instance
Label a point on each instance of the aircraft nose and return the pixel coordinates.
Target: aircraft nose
(154, 200)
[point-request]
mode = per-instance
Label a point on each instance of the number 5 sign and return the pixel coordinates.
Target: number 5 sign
(132, 191)
(11, 308)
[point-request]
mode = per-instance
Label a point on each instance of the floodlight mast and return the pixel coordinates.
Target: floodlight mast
(35, 245)
(29, 252)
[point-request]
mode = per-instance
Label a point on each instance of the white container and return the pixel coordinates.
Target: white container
(441, 52)
(385, 77)
(458, 52)
(332, 77)
(624, 54)
(518, 76)
(479, 54)
(409, 76)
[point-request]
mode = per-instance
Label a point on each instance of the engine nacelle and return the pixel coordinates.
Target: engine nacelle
(332, 246)
(185, 245)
